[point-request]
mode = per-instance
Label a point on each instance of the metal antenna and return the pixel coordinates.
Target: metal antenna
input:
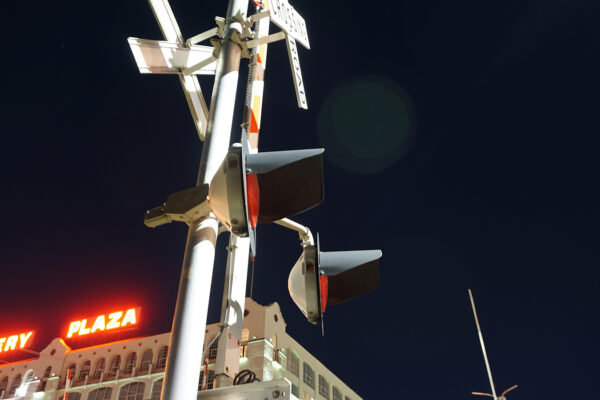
(487, 364)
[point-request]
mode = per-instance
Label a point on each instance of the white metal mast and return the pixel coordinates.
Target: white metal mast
(189, 323)
(174, 56)
(234, 293)
(487, 364)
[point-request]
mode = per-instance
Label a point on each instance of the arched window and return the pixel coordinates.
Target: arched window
(74, 396)
(100, 364)
(71, 372)
(100, 394)
(156, 389)
(133, 391)
(337, 395)
(85, 370)
(162, 357)
(130, 362)
(323, 387)
(115, 364)
(308, 375)
(3, 386)
(15, 384)
(210, 379)
(146, 360)
(212, 350)
(45, 377)
(293, 363)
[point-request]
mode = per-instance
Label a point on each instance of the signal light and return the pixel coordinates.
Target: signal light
(249, 189)
(319, 279)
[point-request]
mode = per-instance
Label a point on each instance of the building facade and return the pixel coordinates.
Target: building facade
(133, 369)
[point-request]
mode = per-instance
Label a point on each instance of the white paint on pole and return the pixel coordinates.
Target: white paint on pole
(287, 18)
(189, 323)
(296, 72)
(162, 57)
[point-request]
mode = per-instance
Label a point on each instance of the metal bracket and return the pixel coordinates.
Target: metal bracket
(267, 39)
(305, 234)
(216, 31)
(258, 16)
(186, 206)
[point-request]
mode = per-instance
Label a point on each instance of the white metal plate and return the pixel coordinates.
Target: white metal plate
(271, 390)
(296, 72)
(287, 18)
(161, 57)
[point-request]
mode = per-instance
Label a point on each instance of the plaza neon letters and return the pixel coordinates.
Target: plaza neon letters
(14, 342)
(117, 319)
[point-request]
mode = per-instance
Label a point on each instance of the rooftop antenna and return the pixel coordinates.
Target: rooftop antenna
(487, 364)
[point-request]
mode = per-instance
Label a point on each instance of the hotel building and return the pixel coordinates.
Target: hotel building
(133, 369)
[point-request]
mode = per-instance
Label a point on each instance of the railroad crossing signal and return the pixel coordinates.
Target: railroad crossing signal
(319, 279)
(243, 188)
(249, 189)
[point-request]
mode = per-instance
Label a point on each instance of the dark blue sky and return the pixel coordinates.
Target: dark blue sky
(461, 138)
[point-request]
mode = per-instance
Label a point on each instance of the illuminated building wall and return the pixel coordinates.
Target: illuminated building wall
(133, 369)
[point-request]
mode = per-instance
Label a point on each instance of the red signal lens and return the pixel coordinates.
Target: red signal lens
(324, 292)
(253, 198)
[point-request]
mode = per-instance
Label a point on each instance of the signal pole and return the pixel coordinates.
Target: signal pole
(189, 322)
(234, 292)
(227, 193)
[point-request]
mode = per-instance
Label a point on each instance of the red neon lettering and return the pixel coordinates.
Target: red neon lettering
(24, 338)
(114, 320)
(129, 317)
(74, 327)
(11, 342)
(99, 324)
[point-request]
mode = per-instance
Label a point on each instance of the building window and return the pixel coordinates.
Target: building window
(73, 396)
(323, 387)
(337, 395)
(245, 335)
(295, 390)
(210, 379)
(15, 384)
(162, 357)
(100, 364)
(115, 364)
(244, 350)
(156, 389)
(274, 340)
(133, 391)
(212, 350)
(100, 394)
(308, 375)
(71, 372)
(146, 360)
(85, 370)
(3, 386)
(42, 386)
(293, 363)
(130, 362)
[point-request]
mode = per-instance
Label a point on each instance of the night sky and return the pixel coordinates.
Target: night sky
(461, 139)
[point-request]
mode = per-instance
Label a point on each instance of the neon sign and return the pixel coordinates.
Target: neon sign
(114, 320)
(15, 342)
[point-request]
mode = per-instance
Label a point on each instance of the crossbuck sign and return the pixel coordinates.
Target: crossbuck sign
(283, 15)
